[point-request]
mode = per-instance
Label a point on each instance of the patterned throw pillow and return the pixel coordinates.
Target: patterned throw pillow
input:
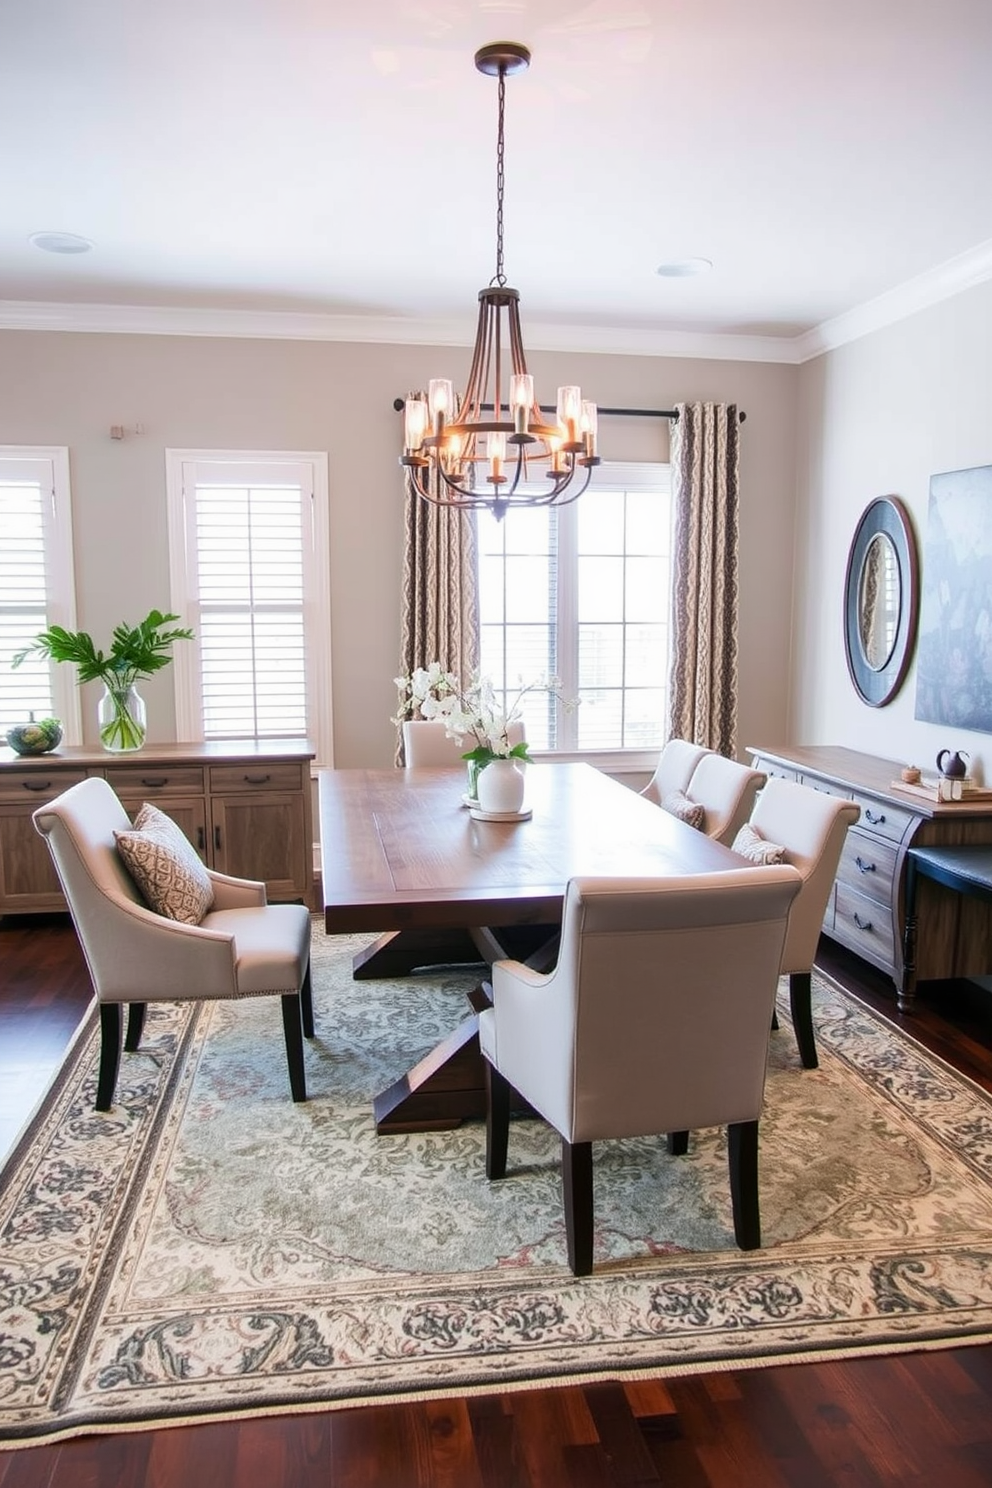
(751, 844)
(678, 804)
(165, 867)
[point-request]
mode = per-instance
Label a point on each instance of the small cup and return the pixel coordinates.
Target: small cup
(910, 774)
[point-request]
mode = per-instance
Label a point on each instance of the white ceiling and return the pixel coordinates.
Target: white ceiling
(315, 159)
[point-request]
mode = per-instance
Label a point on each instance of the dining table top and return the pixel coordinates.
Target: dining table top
(400, 849)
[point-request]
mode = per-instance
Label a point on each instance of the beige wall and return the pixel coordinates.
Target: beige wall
(189, 392)
(878, 418)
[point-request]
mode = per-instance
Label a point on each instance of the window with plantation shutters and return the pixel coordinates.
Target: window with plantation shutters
(249, 562)
(36, 585)
(582, 592)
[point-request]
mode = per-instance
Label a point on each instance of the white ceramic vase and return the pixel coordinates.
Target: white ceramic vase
(501, 786)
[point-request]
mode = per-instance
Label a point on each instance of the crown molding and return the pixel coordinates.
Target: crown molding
(148, 320)
(946, 280)
(942, 283)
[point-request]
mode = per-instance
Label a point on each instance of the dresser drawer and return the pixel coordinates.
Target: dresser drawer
(149, 781)
(827, 787)
(225, 779)
(864, 924)
(883, 819)
(868, 864)
(34, 786)
(772, 768)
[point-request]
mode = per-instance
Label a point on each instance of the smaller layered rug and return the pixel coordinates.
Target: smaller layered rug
(209, 1249)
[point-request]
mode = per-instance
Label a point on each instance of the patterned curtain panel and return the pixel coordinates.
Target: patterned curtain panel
(440, 599)
(703, 679)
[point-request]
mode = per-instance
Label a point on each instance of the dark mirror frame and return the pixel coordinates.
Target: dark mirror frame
(884, 515)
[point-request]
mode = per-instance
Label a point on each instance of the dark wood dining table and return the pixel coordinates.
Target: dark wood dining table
(403, 858)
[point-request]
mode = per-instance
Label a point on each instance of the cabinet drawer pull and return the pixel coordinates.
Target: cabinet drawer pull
(875, 821)
(201, 839)
(862, 924)
(864, 867)
(154, 782)
(217, 838)
(257, 779)
(42, 785)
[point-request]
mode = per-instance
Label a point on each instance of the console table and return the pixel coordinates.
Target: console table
(246, 807)
(866, 908)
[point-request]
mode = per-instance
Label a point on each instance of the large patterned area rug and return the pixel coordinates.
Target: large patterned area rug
(210, 1249)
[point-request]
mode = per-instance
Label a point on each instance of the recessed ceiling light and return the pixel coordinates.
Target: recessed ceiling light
(684, 268)
(60, 242)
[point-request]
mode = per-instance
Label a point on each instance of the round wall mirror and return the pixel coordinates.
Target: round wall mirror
(880, 601)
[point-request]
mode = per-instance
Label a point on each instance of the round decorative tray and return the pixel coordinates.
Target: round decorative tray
(477, 814)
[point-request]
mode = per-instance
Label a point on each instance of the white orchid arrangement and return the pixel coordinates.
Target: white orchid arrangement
(475, 712)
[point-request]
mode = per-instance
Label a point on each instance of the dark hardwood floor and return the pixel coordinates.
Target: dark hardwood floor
(915, 1419)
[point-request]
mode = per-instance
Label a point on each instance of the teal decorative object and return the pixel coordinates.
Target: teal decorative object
(35, 738)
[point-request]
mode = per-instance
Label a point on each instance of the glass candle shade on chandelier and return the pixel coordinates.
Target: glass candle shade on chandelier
(491, 447)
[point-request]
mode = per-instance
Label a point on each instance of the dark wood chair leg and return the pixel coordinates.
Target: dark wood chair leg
(306, 1004)
(497, 1122)
(293, 1029)
(800, 1003)
(774, 1020)
(678, 1143)
(135, 1025)
(742, 1147)
(576, 1186)
(110, 1054)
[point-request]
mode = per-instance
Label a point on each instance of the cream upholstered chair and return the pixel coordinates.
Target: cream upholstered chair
(242, 947)
(655, 1019)
(810, 826)
(726, 790)
(426, 743)
(674, 770)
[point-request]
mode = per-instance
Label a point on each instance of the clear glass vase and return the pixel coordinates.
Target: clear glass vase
(122, 718)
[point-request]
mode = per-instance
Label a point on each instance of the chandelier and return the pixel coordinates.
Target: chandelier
(488, 448)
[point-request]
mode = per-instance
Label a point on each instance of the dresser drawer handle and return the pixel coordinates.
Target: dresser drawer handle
(864, 867)
(862, 924)
(875, 821)
(154, 782)
(257, 779)
(42, 785)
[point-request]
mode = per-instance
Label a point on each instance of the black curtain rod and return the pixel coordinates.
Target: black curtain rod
(668, 413)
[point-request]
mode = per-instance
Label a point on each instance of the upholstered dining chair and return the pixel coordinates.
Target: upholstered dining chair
(238, 946)
(425, 743)
(726, 791)
(674, 769)
(809, 828)
(654, 1019)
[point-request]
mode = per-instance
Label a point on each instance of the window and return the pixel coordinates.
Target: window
(582, 592)
(36, 585)
(248, 553)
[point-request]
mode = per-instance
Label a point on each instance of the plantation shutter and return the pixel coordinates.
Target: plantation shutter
(245, 576)
(36, 588)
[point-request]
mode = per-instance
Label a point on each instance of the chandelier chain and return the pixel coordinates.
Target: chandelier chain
(499, 277)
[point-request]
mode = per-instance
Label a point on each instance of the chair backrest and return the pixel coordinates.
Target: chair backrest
(665, 990)
(426, 743)
(79, 827)
(726, 790)
(674, 769)
(811, 825)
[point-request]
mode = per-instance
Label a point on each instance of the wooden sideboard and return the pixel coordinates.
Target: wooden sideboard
(865, 911)
(247, 809)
